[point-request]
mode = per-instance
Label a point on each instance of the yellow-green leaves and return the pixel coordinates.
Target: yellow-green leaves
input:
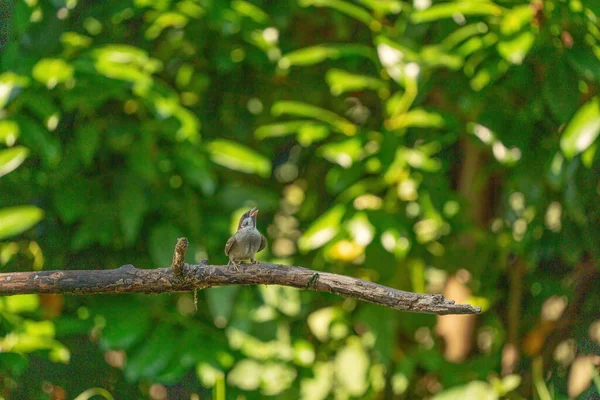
(52, 71)
(341, 81)
(347, 8)
(127, 63)
(582, 130)
(300, 109)
(322, 230)
(235, 156)
(447, 10)
(12, 158)
(10, 85)
(316, 54)
(9, 132)
(15, 220)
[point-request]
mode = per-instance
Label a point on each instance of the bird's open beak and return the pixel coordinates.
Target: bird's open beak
(254, 212)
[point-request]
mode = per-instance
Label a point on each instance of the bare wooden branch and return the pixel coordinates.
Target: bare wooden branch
(128, 279)
(183, 277)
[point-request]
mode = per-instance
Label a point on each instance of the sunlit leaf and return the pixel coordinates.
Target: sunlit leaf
(22, 303)
(351, 367)
(246, 375)
(322, 230)
(52, 71)
(417, 118)
(516, 19)
(88, 394)
(515, 49)
(279, 129)
(9, 132)
(319, 386)
(343, 153)
(250, 10)
(447, 10)
(347, 8)
(300, 109)
(316, 54)
(384, 6)
(341, 81)
(75, 40)
(312, 133)
(164, 21)
(461, 34)
(582, 130)
(235, 156)
(10, 159)
(474, 390)
(16, 220)
(10, 85)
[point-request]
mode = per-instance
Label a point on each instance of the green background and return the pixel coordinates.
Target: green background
(445, 147)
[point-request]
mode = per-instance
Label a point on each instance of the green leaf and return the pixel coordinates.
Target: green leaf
(300, 109)
(317, 54)
(52, 71)
(351, 367)
(220, 302)
(343, 153)
(164, 21)
(9, 132)
(250, 10)
(235, 156)
(582, 130)
(162, 239)
(133, 205)
(127, 327)
(322, 230)
(154, 354)
(22, 303)
(341, 81)
(559, 90)
(585, 62)
(10, 159)
(279, 129)
(16, 220)
(14, 362)
(39, 140)
(10, 85)
(516, 19)
(384, 7)
(71, 200)
(447, 10)
(88, 394)
(417, 118)
(347, 8)
(88, 139)
(514, 50)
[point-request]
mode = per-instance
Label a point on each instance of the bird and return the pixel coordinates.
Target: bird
(247, 240)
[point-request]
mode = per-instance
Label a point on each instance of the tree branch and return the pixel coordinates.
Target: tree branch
(128, 279)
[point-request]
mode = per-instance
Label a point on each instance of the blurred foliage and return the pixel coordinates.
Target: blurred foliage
(435, 147)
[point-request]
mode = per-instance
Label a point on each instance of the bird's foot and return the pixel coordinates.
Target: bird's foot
(253, 261)
(234, 265)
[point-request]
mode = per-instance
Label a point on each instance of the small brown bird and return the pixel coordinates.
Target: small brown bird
(246, 242)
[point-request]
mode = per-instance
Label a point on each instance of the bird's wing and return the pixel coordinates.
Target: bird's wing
(263, 243)
(229, 245)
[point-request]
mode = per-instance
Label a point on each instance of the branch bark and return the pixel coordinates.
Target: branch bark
(128, 279)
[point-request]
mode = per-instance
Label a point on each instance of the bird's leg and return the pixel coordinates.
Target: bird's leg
(232, 263)
(253, 261)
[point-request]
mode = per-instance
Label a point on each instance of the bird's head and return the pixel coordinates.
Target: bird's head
(248, 220)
